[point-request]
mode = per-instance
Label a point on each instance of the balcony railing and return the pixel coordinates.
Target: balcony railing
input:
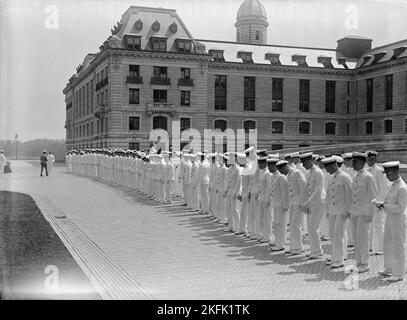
(134, 79)
(185, 82)
(159, 80)
(160, 107)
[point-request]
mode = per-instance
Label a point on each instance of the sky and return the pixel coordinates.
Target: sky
(36, 61)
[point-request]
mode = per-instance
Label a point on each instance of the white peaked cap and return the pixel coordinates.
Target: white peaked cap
(391, 164)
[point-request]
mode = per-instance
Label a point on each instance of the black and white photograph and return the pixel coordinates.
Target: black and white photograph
(212, 150)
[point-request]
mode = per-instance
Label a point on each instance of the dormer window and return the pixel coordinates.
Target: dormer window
(217, 55)
(184, 46)
(378, 56)
(274, 58)
(342, 61)
(133, 42)
(398, 51)
(326, 61)
(365, 60)
(158, 44)
(245, 56)
(300, 60)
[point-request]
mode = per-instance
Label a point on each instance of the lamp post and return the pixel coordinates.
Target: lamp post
(16, 139)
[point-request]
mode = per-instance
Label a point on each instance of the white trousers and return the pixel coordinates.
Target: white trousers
(360, 229)
(337, 227)
(394, 244)
(244, 210)
(253, 207)
(204, 196)
(313, 220)
(296, 217)
(376, 231)
(280, 226)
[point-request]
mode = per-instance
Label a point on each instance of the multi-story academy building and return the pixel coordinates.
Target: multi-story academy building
(151, 71)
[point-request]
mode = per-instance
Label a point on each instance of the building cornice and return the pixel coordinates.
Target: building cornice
(381, 66)
(278, 68)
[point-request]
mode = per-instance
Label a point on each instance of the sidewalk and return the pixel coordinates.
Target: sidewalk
(174, 254)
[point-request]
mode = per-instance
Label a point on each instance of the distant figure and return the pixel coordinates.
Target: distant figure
(3, 162)
(51, 160)
(43, 161)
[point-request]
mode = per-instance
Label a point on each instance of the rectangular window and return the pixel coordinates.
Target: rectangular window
(277, 95)
(249, 93)
(304, 95)
(347, 129)
(257, 35)
(277, 127)
(134, 96)
(91, 128)
(347, 106)
(330, 96)
(276, 146)
(133, 43)
(389, 91)
(185, 73)
(159, 44)
(369, 95)
(330, 128)
(184, 46)
(220, 92)
(134, 123)
(160, 96)
(348, 88)
(185, 98)
(87, 130)
(185, 123)
(134, 146)
(160, 72)
(134, 71)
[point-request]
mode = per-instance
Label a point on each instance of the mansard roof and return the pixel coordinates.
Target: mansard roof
(285, 53)
(392, 51)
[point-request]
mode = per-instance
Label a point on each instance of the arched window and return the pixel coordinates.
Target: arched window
(220, 124)
(304, 127)
(249, 124)
(277, 127)
(330, 128)
(388, 126)
(369, 127)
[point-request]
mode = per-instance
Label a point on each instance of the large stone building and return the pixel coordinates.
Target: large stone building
(151, 71)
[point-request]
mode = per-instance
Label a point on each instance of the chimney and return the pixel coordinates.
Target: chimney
(352, 47)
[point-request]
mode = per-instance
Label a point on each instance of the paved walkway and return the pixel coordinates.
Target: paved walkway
(174, 254)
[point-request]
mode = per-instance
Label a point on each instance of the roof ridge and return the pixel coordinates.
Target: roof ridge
(267, 45)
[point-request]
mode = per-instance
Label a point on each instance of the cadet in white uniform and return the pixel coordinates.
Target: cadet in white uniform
(315, 204)
(280, 203)
(364, 190)
(376, 231)
(395, 206)
(195, 181)
(297, 187)
(169, 176)
(264, 208)
(204, 174)
(338, 203)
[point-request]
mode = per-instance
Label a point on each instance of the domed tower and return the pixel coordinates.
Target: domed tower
(251, 23)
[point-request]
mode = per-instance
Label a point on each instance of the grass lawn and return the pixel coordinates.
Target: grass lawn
(34, 262)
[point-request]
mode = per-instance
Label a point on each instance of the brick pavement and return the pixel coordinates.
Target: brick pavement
(176, 254)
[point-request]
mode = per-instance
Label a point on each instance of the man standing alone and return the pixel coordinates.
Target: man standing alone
(43, 161)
